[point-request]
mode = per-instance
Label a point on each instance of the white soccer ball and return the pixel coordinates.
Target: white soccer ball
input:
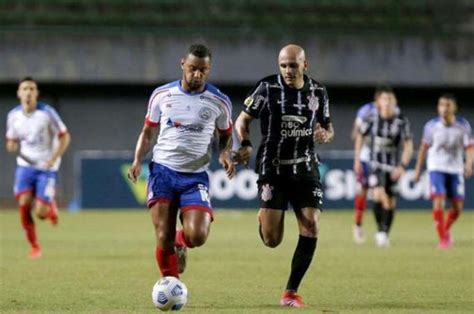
(169, 293)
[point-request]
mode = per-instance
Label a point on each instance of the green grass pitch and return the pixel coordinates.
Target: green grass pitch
(103, 262)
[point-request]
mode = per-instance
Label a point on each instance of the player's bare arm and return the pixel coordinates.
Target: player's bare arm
(405, 160)
(142, 148)
(12, 146)
(323, 135)
(420, 160)
(469, 162)
(357, 148)
(64, 141)
(242, 127)
(225, 144)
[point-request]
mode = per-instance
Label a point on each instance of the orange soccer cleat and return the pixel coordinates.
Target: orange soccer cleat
(291, 299)
(35, 253)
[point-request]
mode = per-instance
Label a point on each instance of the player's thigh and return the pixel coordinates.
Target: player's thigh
(273, 204)
(24, 185)
(437, 184)
(455, 187)
(160, 185)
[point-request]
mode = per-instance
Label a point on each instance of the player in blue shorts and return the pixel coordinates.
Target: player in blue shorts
(186, 114)
(446, 139)
(38, 136)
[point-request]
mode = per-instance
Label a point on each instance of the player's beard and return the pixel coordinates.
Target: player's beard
(195, 85)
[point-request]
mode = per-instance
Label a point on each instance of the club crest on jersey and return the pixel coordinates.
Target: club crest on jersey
(205, 113)
(313, 103)
(267, 193)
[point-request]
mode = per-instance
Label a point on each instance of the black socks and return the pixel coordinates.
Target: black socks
(301, 260)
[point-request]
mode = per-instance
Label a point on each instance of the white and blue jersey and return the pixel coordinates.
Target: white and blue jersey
(182, 153)
(363, 114)
(446, 144)
(37, 133)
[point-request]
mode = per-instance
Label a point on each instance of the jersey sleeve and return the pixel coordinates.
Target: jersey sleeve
(57, 124)
(427, 138)
(406, 130)
(365, 127)
(468, 140)
(323, 116)
(224, 120)
(153, 114)
(11, 133)
(256, 100)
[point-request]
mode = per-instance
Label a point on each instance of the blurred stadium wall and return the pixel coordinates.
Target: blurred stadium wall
(97, 61)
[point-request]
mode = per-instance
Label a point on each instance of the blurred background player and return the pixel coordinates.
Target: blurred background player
(362, 173)
(185, 113)
(445, 139)
(294, 112)
(38, 136)
(391, 148)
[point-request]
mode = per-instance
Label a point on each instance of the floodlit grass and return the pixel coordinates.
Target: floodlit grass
(103, 262)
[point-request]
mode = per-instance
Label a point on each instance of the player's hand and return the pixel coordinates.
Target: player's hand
(134, 171)
(243, 155)
(321, 135)
(468, 170)
(227, 163)
(49, 163)
(397, 173)
(357, 167)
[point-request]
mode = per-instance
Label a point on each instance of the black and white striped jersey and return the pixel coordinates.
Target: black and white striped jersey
(288, 118)
(386, 139)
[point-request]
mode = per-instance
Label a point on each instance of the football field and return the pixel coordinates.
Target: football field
(103, 262)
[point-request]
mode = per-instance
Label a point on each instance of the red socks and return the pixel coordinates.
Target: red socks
(167, 262)
(359, 207)
(438, 217)
(453, 214)
(180, 239)
(29, 225)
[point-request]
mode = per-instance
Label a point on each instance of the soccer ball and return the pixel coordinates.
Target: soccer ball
(169, 293)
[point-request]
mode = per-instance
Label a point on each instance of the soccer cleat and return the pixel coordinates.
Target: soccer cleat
(446, 242)
(181, 251)
(449, 238)
(358, 233)
(34, 253)
(381, 240)
(291, 299)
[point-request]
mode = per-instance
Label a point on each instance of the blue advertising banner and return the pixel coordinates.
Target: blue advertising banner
(103, 183)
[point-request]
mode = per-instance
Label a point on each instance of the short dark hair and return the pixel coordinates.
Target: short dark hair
(449, 96)
(383, 89)
(27, 79)
(199, 51)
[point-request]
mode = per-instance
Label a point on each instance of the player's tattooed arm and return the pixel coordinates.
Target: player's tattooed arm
(323, 135)
(407, 153)
(225, 145)
(142, 148)
(420, 160)
(242, 127)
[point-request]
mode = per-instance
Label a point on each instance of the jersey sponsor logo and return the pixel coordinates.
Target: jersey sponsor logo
(292, 129)
(292, 118)
(267, 193)
(193, 128)
(313, 103)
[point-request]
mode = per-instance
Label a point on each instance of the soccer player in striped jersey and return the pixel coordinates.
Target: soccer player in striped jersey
(294, 113)
(391, 148)
(362, 173)
(38, 136)
(446, 140)
(185, 114)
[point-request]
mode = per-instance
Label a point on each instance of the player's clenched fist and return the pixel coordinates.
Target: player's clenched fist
(243, 155)
(134, 171)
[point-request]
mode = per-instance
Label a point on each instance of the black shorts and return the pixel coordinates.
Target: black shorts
(380, 178)
(299, 193)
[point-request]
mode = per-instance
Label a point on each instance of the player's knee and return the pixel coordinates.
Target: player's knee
(310, 229)
(42, 211)
(196, 238)
(271, 240)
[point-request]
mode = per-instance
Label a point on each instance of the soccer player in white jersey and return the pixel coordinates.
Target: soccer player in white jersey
(38, 136)
(186, 114)
(445, 140)
(362, 171)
